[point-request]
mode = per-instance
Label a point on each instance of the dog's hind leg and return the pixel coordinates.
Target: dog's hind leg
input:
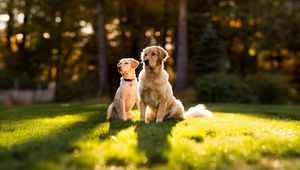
(176, 110)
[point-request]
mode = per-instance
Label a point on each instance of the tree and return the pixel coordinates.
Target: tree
(45, 41)
(182, 53)
(9, 23)
(210, 55)
(101, 47)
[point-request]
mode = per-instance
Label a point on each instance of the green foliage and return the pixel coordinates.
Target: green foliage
(210, 55)
(260, 87)
(68, 89)
(5, 81)
(254, 35)
(77, 136)
(21, 82)
(269, 88)
(222, 87)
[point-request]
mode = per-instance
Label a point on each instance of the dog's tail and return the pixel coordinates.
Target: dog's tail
(198, 111)
(109, 113)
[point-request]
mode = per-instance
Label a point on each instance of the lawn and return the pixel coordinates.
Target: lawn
(77, 136)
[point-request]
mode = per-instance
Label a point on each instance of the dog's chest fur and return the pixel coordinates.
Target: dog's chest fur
(151, 91)
(127, 93)
(150, 97)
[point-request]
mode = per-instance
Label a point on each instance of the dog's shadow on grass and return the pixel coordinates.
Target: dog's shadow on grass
(153, 140)
(50, 148)
(115, 127)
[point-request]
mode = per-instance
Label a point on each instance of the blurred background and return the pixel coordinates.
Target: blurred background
(220, 50)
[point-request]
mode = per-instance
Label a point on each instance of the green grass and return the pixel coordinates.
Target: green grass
(77, 136)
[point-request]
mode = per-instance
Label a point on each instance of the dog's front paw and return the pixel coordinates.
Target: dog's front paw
(159, 120)
(124, 119)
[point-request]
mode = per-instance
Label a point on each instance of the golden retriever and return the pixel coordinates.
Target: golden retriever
(127, 94)
(156, 92)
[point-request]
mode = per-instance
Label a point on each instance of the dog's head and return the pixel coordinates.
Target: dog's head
(153, 56)
(127, 65)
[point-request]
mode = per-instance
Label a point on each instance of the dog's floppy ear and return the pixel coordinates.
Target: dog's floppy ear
(119, 62)
(134, 63)
(142, 54)
(163, 54)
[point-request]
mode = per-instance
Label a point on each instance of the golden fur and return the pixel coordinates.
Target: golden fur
(127, 94)
(155, 89)
(156, 95)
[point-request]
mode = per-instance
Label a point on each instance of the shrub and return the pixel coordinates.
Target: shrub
(68, 89)
(210, 58)
(269, 88)
(21, 82)
(5, 81)
(222, 87)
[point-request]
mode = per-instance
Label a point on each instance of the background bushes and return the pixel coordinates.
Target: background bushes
(82, 88)
(260, 87)
(222, 87)
(269, 88)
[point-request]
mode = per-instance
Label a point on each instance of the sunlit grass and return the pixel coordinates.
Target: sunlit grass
(77, 136)
(232, 141)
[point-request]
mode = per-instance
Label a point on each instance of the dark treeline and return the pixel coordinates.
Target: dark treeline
(77, 43)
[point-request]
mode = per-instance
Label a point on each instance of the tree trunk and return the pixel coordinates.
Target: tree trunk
(139, 38)
(9, 28)
(101, 47)
(165, 22)
(21, 45)
(182, 58)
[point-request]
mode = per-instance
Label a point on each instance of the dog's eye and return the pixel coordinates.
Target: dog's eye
(153, 54)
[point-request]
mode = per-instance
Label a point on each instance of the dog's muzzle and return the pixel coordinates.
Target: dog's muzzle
(119, 68)
(146, 62)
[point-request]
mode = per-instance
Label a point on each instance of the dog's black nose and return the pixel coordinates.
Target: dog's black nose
(146, 62)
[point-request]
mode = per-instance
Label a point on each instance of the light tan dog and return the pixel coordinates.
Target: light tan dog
(127, 94)
(156, 92)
